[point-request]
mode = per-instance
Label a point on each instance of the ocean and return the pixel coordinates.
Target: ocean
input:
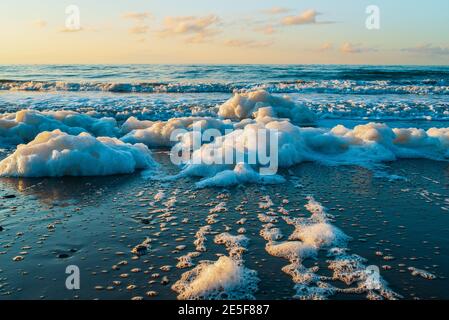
(352, 92)
(359, 208)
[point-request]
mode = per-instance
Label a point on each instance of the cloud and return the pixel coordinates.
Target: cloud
(276, 10)
(191, 28)
(306, 17)
(202, 37)
(267, 29)
(140, 29)
(40, 23)
(428, 49)
(138, 16)
(247, 43)
(327, 46)
(348, 47)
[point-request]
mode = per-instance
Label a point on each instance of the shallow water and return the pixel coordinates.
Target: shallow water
(356, 92)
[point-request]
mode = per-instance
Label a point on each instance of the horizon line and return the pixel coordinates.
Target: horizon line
(227, 64)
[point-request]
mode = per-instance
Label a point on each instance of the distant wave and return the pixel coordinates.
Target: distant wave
(420, 87)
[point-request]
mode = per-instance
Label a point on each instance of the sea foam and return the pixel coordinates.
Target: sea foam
(57, 153)
(311, 236)
(23, 126)
(224, 279)
(366, 145)
(164, 133)
(249, 104)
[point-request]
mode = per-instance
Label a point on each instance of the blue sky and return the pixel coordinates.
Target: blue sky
(212, 31)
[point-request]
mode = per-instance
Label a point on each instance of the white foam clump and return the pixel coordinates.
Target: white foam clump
(382, 143)
(260, 104)
(160, 133)
(422, 273)
(185, 261)
(318, 235)
(351, 268)
(312, 235)
(57, 153)
(270, 233)
(132, 123)
(291, 250)
(200, 238)
(235, 245)
(242, 174)
(23, 126)
(266, 202)
(365, 145)
(224, 279)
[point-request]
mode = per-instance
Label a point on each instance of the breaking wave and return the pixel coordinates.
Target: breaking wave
(334, 86)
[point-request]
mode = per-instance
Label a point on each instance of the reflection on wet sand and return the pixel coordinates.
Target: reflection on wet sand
(63, 191)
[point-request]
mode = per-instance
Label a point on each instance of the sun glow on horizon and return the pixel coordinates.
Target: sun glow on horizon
(319, 32)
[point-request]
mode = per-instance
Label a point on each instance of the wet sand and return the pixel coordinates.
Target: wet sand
(95, 222)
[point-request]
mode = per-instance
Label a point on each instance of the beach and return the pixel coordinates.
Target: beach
(362, 183)
(97, 222)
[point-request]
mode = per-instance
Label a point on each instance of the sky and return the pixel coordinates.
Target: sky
(224, 31)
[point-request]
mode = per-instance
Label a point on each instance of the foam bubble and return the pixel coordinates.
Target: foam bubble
(235, 245)
(422, 273)
(160, 133)
(23, 126)
(56, 154)
(242, 174)
(224, 279)
(312, 235)
(200, 238)
(260, 104)
(367, 145)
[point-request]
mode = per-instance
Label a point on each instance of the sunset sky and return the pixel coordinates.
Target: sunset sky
(231, 31)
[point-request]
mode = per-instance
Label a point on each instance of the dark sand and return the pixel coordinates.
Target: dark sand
(95, 222)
